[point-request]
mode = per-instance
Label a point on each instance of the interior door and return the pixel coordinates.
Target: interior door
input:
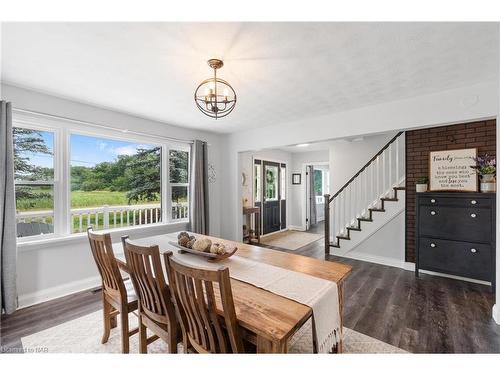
(271, 197)
(308, 197)
(283, 177)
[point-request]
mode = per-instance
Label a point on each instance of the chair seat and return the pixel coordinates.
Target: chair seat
(131, 296)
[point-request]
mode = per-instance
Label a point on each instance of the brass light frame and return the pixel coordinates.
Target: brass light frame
(214, 104)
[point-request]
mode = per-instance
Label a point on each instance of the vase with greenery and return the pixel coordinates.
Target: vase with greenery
(486, 167)
(421, 184)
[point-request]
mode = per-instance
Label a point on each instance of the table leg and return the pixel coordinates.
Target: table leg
(341, 308)
(268, 346)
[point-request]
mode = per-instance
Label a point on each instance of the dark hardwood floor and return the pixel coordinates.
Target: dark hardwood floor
(429, 314)
(317, 228)
(426, 315)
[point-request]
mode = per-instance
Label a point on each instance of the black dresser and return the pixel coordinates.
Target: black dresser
(455, 234)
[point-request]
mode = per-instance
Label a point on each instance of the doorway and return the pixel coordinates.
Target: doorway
(317, 184)
(270, 194)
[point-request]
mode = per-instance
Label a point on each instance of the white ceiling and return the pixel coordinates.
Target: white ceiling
(325, 145)
(280, 71)
(316, 146)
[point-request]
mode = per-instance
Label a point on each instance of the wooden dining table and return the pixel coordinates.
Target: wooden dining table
(268, 320)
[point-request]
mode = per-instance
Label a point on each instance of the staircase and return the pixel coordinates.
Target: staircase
(364, 198)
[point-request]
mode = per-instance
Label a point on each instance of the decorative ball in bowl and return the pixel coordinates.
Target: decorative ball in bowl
(204, 247)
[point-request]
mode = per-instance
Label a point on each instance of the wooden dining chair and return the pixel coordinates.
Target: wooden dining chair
(156, 306)
(118, 296)
(203, 329)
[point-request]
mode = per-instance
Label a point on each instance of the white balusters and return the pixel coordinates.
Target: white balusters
(390, 168)
(375, 181)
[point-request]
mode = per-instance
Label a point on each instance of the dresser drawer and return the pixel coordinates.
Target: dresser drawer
(457, 223)
(454, 201)
(459, 258)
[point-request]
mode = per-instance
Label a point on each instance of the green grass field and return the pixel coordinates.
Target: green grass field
(79, 199)
(83, 199)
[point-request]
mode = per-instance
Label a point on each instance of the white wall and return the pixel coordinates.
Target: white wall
(380, 241)
(347, 158)
(245, 165)
(56, 268)
(435, 109)
(496, 307)
(385, 246)
(298, 192)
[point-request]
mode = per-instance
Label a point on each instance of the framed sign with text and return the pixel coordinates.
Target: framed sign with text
(451, 170)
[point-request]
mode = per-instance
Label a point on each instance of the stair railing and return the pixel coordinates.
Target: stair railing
(385, 170)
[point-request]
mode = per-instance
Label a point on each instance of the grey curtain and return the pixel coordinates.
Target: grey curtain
(312, 197)
(8, 254)
(198, 205)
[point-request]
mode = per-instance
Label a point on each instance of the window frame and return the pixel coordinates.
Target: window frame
(325, 176)
(56, 183)
(63, 129)
(170, 185)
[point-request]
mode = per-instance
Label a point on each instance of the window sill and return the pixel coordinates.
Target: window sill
(37, 243)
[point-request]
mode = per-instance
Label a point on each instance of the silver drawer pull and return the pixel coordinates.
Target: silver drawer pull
(472, 215)
(433, 244)
(473, 250)
(473, 202)
(433, 213)
(433, 201)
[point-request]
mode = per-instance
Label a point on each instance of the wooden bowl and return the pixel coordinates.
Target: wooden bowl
(210, 256)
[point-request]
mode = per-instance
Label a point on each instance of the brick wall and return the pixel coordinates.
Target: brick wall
(480, 134)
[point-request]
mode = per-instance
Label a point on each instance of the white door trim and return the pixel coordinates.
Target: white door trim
(303, 190)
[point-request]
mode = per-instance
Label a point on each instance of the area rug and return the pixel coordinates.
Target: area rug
(290, 239)
(83, 335)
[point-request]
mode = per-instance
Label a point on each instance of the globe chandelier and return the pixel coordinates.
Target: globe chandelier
(214, 96)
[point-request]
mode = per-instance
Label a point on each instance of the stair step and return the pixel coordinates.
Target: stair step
(399, 188)
(354, 228)
(365, 219)
(389, 199)
(343, 237)
(334, 245)
(377, 209)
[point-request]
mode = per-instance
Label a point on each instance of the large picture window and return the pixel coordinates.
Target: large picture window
(179, 184)
(34, 180)
(68, 178)
(113, 183)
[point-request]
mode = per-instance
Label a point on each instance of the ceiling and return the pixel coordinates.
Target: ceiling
(316, 146)
(325, 145)
(280, 71)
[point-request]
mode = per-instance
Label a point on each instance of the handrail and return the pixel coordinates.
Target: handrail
(365, 166)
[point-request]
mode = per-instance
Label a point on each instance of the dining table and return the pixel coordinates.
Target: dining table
(268, 320)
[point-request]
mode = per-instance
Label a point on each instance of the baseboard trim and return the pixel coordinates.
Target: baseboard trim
(297, 227)
(411, 267)
(408, 266)
(372, 259)
(48, 294)
(496, 314)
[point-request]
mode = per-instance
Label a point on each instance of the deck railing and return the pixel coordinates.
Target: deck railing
(105, 217)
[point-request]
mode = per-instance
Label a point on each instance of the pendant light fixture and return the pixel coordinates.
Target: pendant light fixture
(214, 96)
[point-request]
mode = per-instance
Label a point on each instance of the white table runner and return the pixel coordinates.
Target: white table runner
(319, 294)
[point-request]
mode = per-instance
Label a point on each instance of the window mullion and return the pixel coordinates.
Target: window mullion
(60, 186)
(165, 185)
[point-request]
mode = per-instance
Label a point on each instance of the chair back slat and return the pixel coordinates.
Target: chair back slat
(104, 257)
(194, 293)
(149, 282)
